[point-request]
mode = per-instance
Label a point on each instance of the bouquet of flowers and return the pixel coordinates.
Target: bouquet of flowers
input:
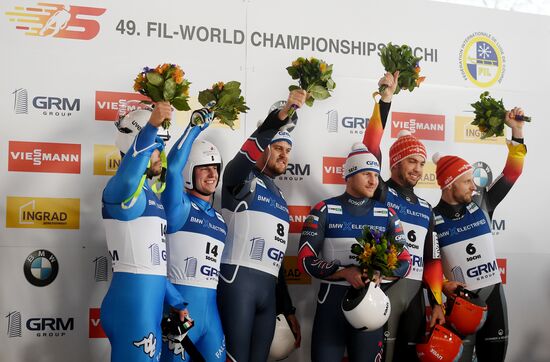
(225, 100)
(401, 58)
(314, 76)
(490, 115)
(164, 83)
(376, 251)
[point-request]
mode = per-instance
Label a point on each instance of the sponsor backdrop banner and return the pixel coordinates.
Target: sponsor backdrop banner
(66, 65)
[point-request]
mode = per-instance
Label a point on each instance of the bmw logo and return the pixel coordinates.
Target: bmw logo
(483, 176)
(41, 268)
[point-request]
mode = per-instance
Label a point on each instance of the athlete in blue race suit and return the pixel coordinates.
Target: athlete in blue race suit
(325, 253)
(196, 236)
(258, 222)
(135, 225)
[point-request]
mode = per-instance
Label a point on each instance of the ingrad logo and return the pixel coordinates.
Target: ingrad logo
(56, 20)
(41, 268)
(482, 60)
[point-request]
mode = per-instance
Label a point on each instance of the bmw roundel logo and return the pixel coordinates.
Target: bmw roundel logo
(483, 176)
(41, 268)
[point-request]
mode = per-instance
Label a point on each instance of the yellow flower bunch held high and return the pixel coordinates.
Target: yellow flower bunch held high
(314, 76)
(166, 82)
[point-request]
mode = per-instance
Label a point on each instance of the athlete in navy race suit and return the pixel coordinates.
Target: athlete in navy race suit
(325, 253)
(135, 224)
(258, 220)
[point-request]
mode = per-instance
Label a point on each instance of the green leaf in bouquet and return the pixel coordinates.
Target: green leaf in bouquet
(232, 85)
(331, 84)
(494, 121)
(309, 101)
(224, 101)
(205, 97)
(293, 87)
(319, 92)
(293, 72)
(180, 103)
(356, 249)
(154, 93)
(155, 79)
(169, 89)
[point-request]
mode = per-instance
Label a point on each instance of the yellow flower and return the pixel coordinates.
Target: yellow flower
(368, 251)
(323, 67)
(138, 81)
(296, 64)
(220, 85)
(392, 258)
(177, 75)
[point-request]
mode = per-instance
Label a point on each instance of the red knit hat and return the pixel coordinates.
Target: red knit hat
(449, 168)
(406, 145)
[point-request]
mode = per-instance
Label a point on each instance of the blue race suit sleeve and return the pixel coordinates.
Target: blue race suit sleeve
(126, 180)
(174, 199)
(173, 298)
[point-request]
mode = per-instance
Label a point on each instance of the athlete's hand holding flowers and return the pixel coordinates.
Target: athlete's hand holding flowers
(164, 83)
(491, 116)
(387, 85)
(224, 100)
(314, 76)
(400, 58)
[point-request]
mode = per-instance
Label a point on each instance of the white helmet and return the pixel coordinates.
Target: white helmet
(202, 153)
(283, 340)
(130, 123)
(368, 308)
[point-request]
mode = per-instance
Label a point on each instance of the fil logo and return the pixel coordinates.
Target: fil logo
(101, 273)
(57, 20)
(482, 60)
(14, 324)
(48, 106)
(21, 101)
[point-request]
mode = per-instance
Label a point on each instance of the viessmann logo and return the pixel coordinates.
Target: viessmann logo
(57, 20)
(333, 170)
(42, 212)
(44, 157)
(298, 215)
(94, 328)
(502, 269)
(422, 126)
(106, 104)
(106, 160)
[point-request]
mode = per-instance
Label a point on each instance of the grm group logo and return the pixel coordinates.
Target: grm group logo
(46, 105)
(57, 20)
(39, 326)
(351, 124)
